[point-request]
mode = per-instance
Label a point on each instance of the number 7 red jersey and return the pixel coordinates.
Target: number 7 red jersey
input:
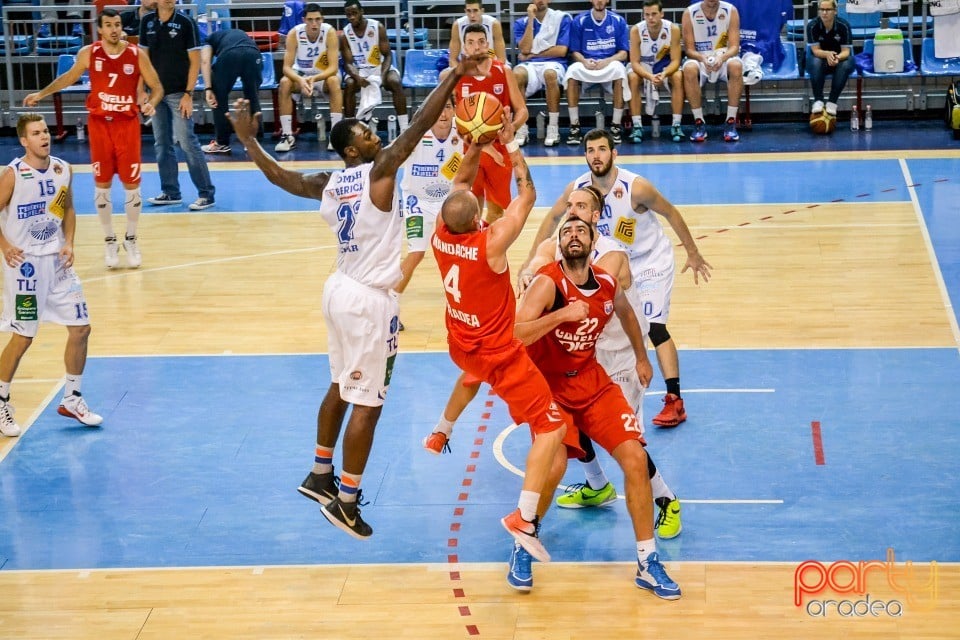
(113, 82)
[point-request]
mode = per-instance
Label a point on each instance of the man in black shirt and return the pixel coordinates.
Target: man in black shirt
(172, 41)
(236, 56)
(130, 19)
(830, 53)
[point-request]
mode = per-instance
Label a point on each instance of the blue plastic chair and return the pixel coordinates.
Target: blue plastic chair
(922, 27)
(789, 69)
(931, 65)
(420, 68)
(863, 26)
(20, 45)
(400, 38)
(64, 63)
(53, 45)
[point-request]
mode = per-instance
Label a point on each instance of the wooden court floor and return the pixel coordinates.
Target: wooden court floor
(836, 276)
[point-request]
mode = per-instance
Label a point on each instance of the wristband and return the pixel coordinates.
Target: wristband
(512, 146)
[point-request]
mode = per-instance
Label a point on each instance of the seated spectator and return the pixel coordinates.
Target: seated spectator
(475, 15)
(711, 39)
(311, 67)
(543, 39)
(366, 55)
(655, 61)
(830, 54)
(599, 45)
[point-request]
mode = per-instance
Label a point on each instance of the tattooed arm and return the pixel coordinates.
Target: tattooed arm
(507, 229)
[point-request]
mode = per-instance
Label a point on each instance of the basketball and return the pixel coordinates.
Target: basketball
(823, 123)
(480, 116)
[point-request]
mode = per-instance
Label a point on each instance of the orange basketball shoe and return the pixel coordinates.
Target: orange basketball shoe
(672, 413)
(437, 443)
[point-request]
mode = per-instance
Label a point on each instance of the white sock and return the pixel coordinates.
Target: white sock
(637, 121)
(444, 426)
(698, 113)
(645, 548)
(528, 505)
(335, 118)
(4, 389)
(617, 116)
(553, 119)
(732, 112)
(574, 115)
(101, 199)
(596, 478)
(286, 124)
(677, 118)
(403, 122)
(659, 488)
(72, 384)
(132, 204)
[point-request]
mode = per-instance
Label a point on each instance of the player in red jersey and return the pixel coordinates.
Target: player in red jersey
(565, 351)
(472, 258)
(116, 68)
(493, 178)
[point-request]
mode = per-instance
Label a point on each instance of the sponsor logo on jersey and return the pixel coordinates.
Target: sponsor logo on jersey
(98, 65)
(31, 209)
(356, 375)
(27, 270)
(26, 307)
(424, 170)
(625, 230)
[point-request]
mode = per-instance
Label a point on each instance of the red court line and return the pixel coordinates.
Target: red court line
(817, 443)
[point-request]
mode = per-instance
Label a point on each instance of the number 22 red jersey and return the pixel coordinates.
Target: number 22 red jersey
(569, 349)
(113, 82)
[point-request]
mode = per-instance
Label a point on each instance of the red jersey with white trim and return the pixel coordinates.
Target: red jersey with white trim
(113, 82)
(569, 349)
(494, 84)
(480, 306)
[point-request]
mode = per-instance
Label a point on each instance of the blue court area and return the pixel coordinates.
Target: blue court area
(199, 459)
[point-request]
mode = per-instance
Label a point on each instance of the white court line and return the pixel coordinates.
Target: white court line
(931, 253)
(501, 457)
(200, 263)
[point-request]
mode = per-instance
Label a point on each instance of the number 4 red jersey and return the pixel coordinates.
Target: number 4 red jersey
(113, 82)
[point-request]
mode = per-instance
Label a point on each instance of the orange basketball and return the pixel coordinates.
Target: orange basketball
(823, 123)
(480, 116)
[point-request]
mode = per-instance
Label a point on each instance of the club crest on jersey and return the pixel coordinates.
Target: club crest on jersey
(57, 168)
(608, 307)
(618, 192)
(128, 69)
(498, 88)
(98, 65)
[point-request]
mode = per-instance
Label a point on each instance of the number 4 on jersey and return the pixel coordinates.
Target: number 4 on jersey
(451, 283)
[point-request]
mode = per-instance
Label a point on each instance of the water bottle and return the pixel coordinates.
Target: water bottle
(81, 134)
(392, 128)
(655, 127)
(541, 126)
(599, 116)
(321, 127)
(868, 119)
(854, 119)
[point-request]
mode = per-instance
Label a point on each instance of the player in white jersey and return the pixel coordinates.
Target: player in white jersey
(630, 202)
(474, 14)
(360, 306)
(427, 176)
(37, 225)
(655, 62)
(311, 67)
(366, 58)
(711, 40)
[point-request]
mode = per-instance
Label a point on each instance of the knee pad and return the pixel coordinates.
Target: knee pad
(658, 333)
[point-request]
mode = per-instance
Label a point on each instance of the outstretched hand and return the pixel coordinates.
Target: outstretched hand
(468, 65)
(507, 132)
(245, 124)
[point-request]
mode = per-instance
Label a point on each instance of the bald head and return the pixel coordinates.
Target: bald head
(459, 211)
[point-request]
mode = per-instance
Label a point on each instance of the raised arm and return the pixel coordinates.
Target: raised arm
(506, 230)
(383, 175)
(62, 81)
(534, 318)
(467, 171)
(455, 45)
(246, 125)
(646, 196)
